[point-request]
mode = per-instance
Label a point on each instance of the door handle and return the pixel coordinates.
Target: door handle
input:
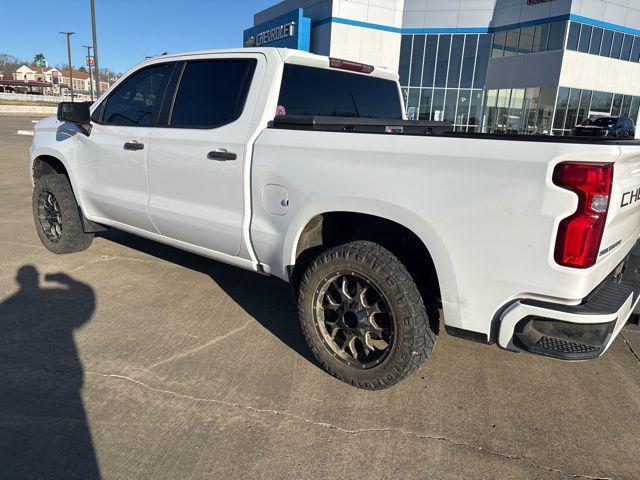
(133, 145)
(221, 154)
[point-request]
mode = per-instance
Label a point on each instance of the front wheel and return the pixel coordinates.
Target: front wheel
(363, 316)
(57, 216)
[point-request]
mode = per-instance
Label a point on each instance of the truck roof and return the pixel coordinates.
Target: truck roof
(287, 55)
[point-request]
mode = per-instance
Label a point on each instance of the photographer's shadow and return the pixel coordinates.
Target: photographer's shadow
(43, 426)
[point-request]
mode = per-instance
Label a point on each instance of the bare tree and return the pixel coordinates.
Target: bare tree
(106, 74)
(9, 64)
(5, 59)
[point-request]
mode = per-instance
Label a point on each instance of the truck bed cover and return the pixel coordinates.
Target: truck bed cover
(392, 126)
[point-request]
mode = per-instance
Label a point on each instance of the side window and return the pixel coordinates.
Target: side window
(212, 93)
(136, 102)
(97, 113)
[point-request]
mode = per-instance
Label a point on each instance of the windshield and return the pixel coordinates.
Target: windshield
(605, 122)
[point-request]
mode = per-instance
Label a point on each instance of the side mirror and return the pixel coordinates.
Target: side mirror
(75, 112)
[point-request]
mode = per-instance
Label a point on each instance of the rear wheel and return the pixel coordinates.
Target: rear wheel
(57, 216)
(363, 316)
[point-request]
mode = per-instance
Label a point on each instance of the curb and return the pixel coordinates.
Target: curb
(27, 109)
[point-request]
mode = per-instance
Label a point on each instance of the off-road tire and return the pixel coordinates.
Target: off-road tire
(72, 238)
(415, 337)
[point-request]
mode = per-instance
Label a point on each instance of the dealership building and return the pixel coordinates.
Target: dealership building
(525, 66)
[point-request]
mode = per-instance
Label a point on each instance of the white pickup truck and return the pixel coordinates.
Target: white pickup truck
(304, 167)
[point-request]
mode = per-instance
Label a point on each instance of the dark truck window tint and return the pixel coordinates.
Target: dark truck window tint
(335, 93)
(212, 93)
(136, 102)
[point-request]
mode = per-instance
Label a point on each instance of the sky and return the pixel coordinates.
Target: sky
(128, 30)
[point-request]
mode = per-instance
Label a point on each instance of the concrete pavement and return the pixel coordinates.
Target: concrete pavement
(136, 360)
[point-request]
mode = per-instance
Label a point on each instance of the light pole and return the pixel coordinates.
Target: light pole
(95, 48)
(68, 34)
(89, 47)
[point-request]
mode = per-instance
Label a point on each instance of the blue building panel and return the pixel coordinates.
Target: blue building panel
(291, 30)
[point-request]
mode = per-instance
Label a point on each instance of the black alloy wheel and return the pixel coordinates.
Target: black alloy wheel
(49, 215)
(354, 320)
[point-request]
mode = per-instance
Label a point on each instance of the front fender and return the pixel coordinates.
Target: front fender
(55, 139)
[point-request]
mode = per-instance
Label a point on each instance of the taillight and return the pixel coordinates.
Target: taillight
(351, 66)
(580, 234)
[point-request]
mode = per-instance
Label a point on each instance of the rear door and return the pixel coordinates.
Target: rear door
(196, 157)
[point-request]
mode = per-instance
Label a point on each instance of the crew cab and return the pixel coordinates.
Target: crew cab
(304, 167)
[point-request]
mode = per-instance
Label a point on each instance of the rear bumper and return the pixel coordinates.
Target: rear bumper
(575, 332)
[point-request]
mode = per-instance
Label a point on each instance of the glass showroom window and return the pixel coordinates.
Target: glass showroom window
(573, 103)
(607, 43)
(523, 111)
(556, 36)
(424, 112)
(502, 110)
(497, 50)
(437, 105)
(417, 56)
(601, 103)
(526, 40)
(616, 47)
(585, 39)
(603, 42)
(616, 106)
(482, 60)
(574, 36)
(511, 42)
(444, 61)
(562, 104)
(455, 61)
(540, 38)
(596, 41)
(549, 111)
(530, 115)
(582, 104)
(462, 107)
(442, 77)
(627, 45)
(490, 111)
(468, 61)
(429, 65)
(462, 110)
(515, 117)
(405, 59)
(412, 102)
(475, 110)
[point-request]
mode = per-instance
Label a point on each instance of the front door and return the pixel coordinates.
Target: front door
(196, 160)
(112, 159)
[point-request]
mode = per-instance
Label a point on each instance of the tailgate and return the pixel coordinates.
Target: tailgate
(623, 220)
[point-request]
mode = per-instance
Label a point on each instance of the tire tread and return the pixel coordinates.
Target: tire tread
(74, 238)
(419, 339)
